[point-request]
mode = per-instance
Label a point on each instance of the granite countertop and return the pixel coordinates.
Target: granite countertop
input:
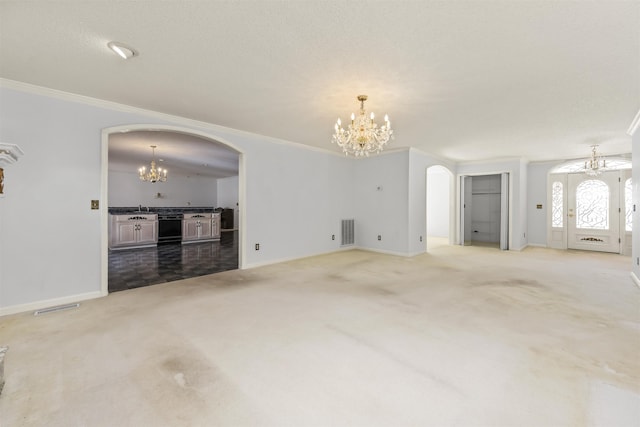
(125, 210)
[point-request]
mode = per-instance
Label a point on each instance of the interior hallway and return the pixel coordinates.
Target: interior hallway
(460, 336)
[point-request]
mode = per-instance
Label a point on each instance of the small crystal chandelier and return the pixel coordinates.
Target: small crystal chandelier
(363, 136)
(154, 174)
(595, 165)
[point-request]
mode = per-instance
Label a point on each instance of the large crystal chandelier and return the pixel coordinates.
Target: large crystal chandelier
(595, 165)
(362, 136)
(155, 174)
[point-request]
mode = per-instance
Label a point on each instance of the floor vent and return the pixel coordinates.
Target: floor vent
(348, 232)
(56, 308)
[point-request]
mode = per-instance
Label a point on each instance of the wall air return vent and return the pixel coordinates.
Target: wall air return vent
(348, 232)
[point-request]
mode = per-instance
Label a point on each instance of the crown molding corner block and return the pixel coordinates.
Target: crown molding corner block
(9, 154)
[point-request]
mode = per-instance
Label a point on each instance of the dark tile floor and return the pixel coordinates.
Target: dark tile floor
(134, 268)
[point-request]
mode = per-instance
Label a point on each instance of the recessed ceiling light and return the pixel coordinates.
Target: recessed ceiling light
(123, 51)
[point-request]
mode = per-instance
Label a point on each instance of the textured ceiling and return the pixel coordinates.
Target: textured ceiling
(472, 80)
(180, 154)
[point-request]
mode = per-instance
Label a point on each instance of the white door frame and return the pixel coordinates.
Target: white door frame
(460, 198)
(557, 237)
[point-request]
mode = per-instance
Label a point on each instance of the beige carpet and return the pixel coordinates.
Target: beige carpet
(462, 336)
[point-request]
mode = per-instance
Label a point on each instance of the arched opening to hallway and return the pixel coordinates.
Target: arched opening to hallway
(439, 209)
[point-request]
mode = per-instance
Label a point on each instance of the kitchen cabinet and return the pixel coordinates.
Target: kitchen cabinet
(215, 225)
(196, 227)
(134, 230)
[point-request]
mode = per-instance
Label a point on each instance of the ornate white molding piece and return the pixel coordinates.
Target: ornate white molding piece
(9, 154)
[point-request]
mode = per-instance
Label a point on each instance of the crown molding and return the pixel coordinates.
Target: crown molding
(495, 160)
(184, 121)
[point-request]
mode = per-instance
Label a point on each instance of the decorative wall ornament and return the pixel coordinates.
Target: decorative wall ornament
(9, 154)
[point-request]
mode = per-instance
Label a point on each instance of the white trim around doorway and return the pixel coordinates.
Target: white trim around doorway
(104, 190)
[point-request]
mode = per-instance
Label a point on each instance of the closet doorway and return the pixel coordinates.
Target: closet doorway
(484, 213)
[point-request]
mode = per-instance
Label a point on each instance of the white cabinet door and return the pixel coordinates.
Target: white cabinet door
(125, 233)
(133, 230)
(189, 229)
(147, 232)
(205, 229)
(215, 226)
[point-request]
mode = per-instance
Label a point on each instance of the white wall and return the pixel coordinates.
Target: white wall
(537, 195)
(523, 180)
(228, 192)
(390, 196)
(438, 197)
(60, 174)
(382, 201)
(126, 189)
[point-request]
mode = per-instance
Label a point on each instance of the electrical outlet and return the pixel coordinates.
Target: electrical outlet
(95, 204)
(257, 246)
(379, 237)
(333, 237)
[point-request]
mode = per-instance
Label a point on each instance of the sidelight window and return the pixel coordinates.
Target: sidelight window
(557, 206)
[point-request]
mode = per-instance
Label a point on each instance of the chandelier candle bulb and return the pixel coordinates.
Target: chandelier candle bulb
(363, 136)
(154, 174)
(596, 165)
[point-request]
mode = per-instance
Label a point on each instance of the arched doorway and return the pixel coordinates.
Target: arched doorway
(440, 209)
(195, 160)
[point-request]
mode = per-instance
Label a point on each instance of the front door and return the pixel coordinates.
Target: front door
(594, 212)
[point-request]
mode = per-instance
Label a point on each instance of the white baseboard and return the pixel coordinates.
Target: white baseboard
(382, 251)
(38, 305)
(346, 248)
(635, 279)
(293, 258)
(538, 245)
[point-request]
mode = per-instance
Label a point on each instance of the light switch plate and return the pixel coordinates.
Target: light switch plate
(95, 204)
